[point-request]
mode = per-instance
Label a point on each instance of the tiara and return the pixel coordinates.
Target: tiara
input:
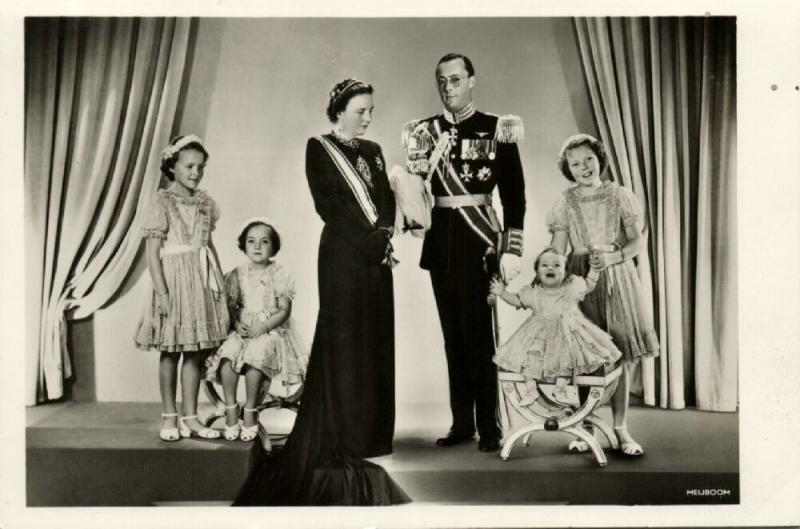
(180, 144)
(336, 94)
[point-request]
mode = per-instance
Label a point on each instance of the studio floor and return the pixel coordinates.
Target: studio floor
(109, 454)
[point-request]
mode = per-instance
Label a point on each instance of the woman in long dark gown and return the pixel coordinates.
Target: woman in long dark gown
(347, 409)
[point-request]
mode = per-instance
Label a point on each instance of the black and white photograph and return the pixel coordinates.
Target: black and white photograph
(529, 265)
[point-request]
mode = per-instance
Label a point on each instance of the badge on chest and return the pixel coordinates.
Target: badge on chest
(478, 149)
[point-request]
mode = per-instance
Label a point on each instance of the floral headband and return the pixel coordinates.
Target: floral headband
(170, 151)
(336, 94)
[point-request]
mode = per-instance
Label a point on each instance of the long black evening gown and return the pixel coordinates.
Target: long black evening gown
(347, 408)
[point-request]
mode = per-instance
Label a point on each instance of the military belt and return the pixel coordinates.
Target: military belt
(462, 201)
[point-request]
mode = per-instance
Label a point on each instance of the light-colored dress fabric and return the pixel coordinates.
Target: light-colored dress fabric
(197, 317)
(616, 304)
(557, 340)
(253, 297)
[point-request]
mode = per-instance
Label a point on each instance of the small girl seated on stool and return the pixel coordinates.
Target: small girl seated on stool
(557, 341)
(263, 342)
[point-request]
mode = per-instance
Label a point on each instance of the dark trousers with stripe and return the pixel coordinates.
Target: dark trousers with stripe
(466, 321)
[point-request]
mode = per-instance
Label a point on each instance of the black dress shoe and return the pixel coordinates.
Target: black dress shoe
(488, 444)
(452, 439)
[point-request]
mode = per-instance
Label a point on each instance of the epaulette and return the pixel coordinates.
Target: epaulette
(408, 130)
(509, 129)
(416, 135)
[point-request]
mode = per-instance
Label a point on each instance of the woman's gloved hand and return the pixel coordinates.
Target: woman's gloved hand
(374, 245)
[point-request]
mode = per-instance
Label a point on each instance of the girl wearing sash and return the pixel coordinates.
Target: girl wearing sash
(186, 315)
(347, 410)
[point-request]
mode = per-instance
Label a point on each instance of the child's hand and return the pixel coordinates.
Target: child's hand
(258, 329)
(497, 287)
(242, 329)
(601, 260)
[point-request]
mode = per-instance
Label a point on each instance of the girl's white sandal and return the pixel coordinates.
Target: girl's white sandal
(232, 431)
(203, 433)
(169, 435)
(630, 448)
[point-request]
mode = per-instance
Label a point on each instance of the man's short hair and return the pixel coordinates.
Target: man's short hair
(453, 56)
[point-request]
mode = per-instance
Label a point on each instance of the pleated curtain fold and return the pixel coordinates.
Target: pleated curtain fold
(100, 101)
(663, 91)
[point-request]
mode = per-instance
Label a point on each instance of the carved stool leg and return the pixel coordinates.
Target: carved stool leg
(505, 422)
(526, 441)
(603, 426)
(524, 431)
(590, 439)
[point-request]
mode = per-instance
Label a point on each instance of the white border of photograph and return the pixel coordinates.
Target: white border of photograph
(768, 36)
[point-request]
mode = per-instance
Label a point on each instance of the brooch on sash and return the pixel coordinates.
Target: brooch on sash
(363, 170)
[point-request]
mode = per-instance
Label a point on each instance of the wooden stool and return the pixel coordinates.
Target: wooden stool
(548, 414)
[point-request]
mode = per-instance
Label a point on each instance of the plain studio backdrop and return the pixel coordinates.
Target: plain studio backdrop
(258, 90)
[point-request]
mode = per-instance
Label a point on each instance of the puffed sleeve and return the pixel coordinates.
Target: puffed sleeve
(526, 295)
(629, 207)
(557, 216)
(156, 222)
(578, 288)
(284, 284)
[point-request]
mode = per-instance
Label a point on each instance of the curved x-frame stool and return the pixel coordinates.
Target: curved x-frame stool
(545, 413)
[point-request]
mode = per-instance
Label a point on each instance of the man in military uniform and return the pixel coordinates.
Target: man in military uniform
(465, 154)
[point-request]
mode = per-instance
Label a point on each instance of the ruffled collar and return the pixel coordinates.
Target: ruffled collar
(553, 291)
(198, 196)
(602, 191)
(260, 275)
(250, 269)
(557, 290)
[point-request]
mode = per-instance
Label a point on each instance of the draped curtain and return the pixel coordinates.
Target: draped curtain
(101, 97)
(663, 91)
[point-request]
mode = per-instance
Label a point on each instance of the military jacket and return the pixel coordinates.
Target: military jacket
(480, 162)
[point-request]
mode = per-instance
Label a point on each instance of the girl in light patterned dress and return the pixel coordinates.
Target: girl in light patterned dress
(186, 314)
(602, 222)
(264, 342)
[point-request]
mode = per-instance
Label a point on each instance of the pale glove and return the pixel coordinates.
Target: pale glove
(509, 266)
